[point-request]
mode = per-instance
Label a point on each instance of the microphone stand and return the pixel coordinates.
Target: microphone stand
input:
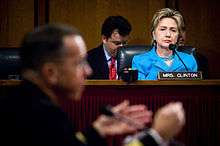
(172, 47)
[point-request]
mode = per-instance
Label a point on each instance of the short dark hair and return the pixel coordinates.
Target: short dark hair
(44, 44)
(116, 22)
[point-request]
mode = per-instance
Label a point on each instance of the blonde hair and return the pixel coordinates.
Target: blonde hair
(168, 13)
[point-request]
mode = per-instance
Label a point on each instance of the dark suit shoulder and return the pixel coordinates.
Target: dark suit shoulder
(98, 62)
(96, 52)
(148, 140)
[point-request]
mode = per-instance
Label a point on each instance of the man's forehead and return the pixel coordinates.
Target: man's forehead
(75, 43)
(115, 35)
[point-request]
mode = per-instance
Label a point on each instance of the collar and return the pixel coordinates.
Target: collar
(107, 54)
(159, 62)
(36, 94)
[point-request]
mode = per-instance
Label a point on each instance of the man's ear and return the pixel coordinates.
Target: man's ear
(50, 73)
(104, 39)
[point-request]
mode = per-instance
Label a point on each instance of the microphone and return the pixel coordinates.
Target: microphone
(173, 48)
(107, 110)
(130, 75)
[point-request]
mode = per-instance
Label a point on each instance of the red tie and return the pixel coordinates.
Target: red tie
(112, 70)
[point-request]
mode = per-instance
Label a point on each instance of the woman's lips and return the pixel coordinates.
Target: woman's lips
(167, 41)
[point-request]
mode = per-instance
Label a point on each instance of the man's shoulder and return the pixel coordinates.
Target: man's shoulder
(96, 54)
(96, 50)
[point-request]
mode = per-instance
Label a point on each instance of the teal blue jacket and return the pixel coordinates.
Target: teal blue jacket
(149, 64)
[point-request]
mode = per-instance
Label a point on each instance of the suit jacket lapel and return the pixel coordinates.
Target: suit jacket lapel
(177, 64)
(102, 61)
(161, 64)
(158, 62)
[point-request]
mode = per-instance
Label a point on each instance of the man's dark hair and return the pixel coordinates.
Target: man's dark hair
(116, 22)
(44, 44)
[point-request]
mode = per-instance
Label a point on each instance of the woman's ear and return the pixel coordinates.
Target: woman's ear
(153, 38)
(153, 35)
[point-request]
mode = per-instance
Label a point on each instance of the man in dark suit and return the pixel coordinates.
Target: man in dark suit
(115, 32)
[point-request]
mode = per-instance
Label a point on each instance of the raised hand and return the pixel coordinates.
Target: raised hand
(127, 119)
(169, 120)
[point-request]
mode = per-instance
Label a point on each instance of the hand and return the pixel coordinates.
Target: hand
(138, 114)
(169, 120)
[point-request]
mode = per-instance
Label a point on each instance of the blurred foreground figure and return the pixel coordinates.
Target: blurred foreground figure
(53, 67)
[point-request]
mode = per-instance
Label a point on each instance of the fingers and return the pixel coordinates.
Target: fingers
(139, 114)
(169, 120)
(121, 128)
(127, 118)
(180, 113)
(143, 117)
(108, 126)
(177, 109)
(121, 106)
(136, 108)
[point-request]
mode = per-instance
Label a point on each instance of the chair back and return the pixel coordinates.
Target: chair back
(125, 55)
(187, 49)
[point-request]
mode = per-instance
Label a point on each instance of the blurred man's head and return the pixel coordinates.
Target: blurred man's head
(115, 33)
(55, 57)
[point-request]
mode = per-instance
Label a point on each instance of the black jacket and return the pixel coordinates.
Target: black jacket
(98, 62)
(28, 117)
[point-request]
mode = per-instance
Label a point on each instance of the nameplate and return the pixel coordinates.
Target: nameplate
(180, 76)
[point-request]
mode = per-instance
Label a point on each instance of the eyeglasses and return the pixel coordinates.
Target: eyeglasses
(117, 43)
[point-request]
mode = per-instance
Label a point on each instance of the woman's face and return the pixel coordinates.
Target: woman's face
(166, 33)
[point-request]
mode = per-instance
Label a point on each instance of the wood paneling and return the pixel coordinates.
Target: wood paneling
(203, 29)
(41, 12)
(16, 18)
(88, 16)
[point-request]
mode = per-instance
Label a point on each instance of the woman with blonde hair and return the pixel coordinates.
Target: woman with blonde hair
(166, 28)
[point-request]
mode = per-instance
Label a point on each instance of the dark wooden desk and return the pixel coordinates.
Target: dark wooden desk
(201, 100)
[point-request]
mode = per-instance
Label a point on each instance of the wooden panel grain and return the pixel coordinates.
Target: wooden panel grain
(88, 16)
(203, 30)
(3, 22)
(17, 18)
(41, 12)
